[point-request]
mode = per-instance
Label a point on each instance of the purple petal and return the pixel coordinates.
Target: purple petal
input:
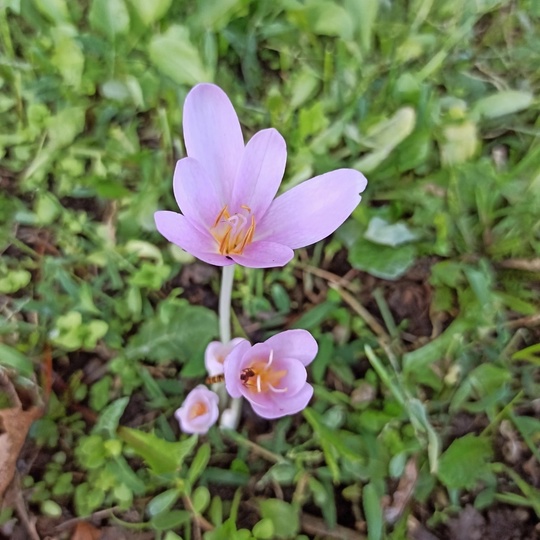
(196, 193)
(178, 230)
(295, 378)
(264, 255)
(232, 368)
(284, 407)
(312, 210)
(299, 344)
(260, 172)
(213, 135)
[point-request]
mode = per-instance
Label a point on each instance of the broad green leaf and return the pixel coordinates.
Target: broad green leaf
(68, 57)
(382, 261)
(465, 462)
(14, 280)
(174, 55)
(110, 17)
(55, 10)
(501, 103)
(151, 11)
(379, 231)
(283, 515)
(179, 332)
(160, 455)
(459, 143)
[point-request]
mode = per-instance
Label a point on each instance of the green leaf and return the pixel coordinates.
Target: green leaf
(179, 332)
(55, 10)
(373, 511)
(284, 517)
(501, 103)
(170, 520)
(199, 463)
(151, 11)
(174, 55)
(382, 261)
(109, 418)
(162, 502)
(465, 462)
(110, 17)
(160, 455)
(12, 358)
(379, 231)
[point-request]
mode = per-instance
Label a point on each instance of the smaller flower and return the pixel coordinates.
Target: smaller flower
(199, 411)
(272, 375)
(215, 355)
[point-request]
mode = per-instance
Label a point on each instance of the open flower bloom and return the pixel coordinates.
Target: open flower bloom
(215, 355)
(226, 192)
(199, 411)
(272, 375)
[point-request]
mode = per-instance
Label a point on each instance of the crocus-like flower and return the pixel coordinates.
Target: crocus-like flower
(272, 375)
(226, 192)
(199, 411)
(215, 355)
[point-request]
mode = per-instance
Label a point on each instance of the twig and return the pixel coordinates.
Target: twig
(363, 312)
(100, 514)
(531, 320)
(529, 265)
(316, 526)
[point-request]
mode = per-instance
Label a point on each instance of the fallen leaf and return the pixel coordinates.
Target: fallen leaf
(85, 531)
(403, 492)
(14, 426)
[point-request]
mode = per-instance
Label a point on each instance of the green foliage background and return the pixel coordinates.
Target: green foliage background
(436, 102)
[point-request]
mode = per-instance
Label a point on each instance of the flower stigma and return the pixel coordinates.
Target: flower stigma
(266, 379)
(233, 233)
(198, 409)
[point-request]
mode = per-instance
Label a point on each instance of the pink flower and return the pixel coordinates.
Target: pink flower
(215, 355)
(226, 192)
(272, 375)
(199, 411)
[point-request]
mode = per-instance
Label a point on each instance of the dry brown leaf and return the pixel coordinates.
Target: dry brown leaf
(14, 426)
(403, 492)
(85, 531)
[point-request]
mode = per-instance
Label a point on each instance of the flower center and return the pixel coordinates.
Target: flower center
(198, 409)
(260, 377)
(233, 233)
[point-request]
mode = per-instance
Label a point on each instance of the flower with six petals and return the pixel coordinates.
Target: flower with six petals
(226, 191)
(272, 375)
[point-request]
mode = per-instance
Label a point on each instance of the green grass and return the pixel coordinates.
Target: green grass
(428, 370)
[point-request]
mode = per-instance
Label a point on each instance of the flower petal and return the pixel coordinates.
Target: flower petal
(232, 368)
(288, 406)
(295, 378)
(212, 134)
(299, 344)
(260, 173)
(312, 210)
(215, 354)
(196, 193)
(177, 229)
(264, 255)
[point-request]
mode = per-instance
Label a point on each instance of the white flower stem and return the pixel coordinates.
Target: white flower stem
(225, 293)
(231, 416)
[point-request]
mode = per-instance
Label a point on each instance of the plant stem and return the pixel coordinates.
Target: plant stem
(231, 416)
(225, 294)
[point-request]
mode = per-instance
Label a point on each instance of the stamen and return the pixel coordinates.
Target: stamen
(270, 358)
(278, 390)
(259, 384)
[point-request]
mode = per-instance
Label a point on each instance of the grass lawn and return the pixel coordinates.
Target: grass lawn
(425, 303)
